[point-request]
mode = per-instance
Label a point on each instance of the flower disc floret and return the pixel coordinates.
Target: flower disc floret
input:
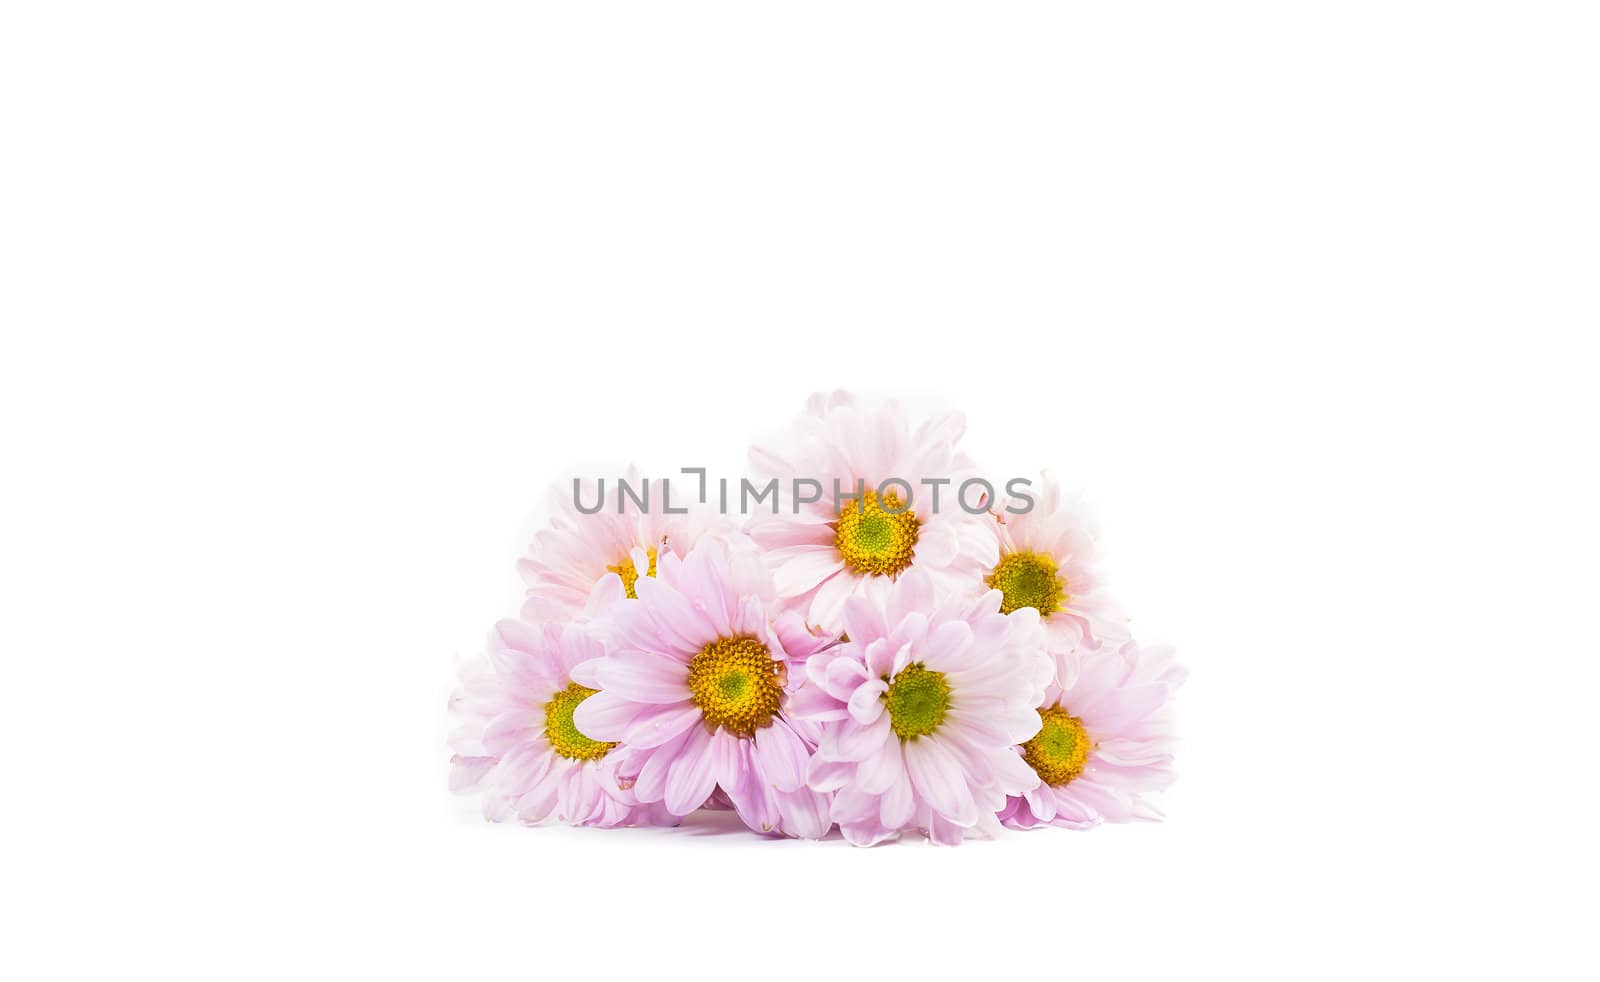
(1061, 750)
(1028, 579)
(564, 736)
(917, 700)
(876, 538)
(737, 684)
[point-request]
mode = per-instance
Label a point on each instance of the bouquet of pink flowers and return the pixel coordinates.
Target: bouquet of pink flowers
(864, 632)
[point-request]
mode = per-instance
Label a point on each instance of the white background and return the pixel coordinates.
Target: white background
(304, 304)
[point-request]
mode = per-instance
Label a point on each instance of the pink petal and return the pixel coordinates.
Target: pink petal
(827, 607)
(864, 620)
(466, 772)
(949, 648)
(1122, 707)
(656, 726)
(729, 759)
(804, 813)
(912, 594)
(781, 756)
(650, 784)
(1041, 802)
(517, 635)
(898, 803)
(677, 623)
(642, 677)
(604, 716)
(828, 775)
(799, 570)
(508, 729)
(692, 777)
(852, 741)
(937, 544)
(882, 769)
(938, 779)
(866, 703)
(942, 832)
(880, 659)
(587, 673)
(842, 677)
(811, 702)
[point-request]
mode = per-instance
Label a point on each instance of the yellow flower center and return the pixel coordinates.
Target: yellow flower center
(873, 541)
(917, 700)
(1060, 750)
(1028, 579)
(563, 733)
(737, 684)
(630, 573)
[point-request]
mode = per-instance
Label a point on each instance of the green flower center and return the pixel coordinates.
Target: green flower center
(875, 542)
(630, 575)
(563, 733)
(737, 684)
(1028, 579)
(1060, 750)
(917, 701)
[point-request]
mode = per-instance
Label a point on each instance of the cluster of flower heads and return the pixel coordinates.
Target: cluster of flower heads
(879, 667)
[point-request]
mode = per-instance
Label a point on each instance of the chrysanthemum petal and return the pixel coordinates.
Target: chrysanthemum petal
(866, 703)
(881, 769)
(604, 716)
(827, 605)
(853, 741)
(800, 569)
(898, 804)
(642, 677)
(781, 756)
(692, 776)
(657, 725)
(938, 778)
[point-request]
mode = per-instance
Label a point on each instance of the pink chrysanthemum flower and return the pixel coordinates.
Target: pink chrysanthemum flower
(922, 709)
(516, 742)
(1047, 563)
(695, 685)
(1105, 740)
(585, 563)
(820, 556)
